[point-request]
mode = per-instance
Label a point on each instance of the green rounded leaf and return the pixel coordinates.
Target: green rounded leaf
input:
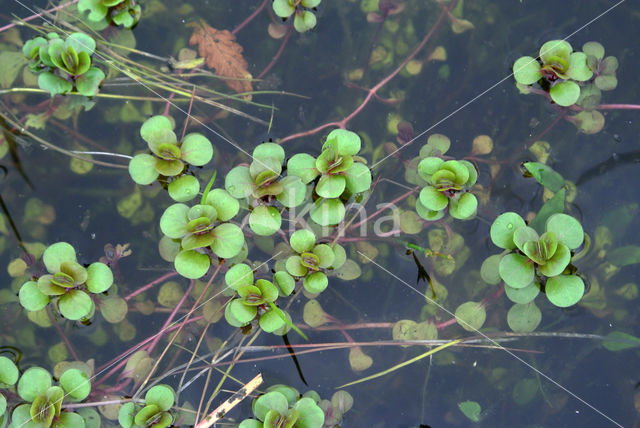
(31, 298)
(331, 186)
(437, 144)
(192, 264)
(229, 240)
(69, 419)
(564, 290)
(270, 401)
(578, 68)
(304, 166)
(75, 305)
(238, 314)
(283, 8)
(358, 178)
(184, 188)
(196, 149)
(57, 253)
(225, 204)
(516, 270)
(489, 271)
(555, 48)
(160, 395)
(302, 240)
(8, 373)
(327, 212)
(81, 42)
(154, 124)
(269, 150)
(565, 93)
(503, 228)
(428, 166)
(238, 276)
(471, 316)
(428, 214)
(526, 70)
(265, 221)
(170, 168)
(463, 208)
(325, 254)
(524, 318)
(100, 277)
(294, 191)
(593, 48)
(432, 199)
(558, 263)
(34, 382)
(315, 283)
(113, 309)
(522, 295)
(348, 142)
(606, 82)
(142, 169)
(525, 234)
(54, 84)
(285, 283)
(294, 266)
(239, 182)
(567, 229)
(173, 222)
(311, 415)
(271, 321)
(89, 82)
(76, 384)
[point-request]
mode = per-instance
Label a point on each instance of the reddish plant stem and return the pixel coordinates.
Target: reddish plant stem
(372, 92)
(63, 336)
(122, 359)
(618, 107)
(249, 18)
(150, 285)
(168, 104)
(277, 55)
(171, 316)
(375, 214)
(38, 15)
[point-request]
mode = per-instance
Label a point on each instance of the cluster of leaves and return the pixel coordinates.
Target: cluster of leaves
(283, 406)
(38, 403)
(69, 284)
(114, 12)
(533, 262)
(342, 174)
(261, 182)
(570, 77)
(169, 155)
(312, 260)
(154, 412)
(304, 19)
(445, 183)
(193, 234)
(64, 65)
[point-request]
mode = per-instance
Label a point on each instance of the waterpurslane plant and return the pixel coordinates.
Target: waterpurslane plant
(64, 65)
(154, 412)
(304, 19)
(125, 13)
(69, 284)
(532, 262)
(169, 155)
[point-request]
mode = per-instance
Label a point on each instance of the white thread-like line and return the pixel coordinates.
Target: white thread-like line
(491, 340)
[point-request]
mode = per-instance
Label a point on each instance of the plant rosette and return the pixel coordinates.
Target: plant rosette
(304, 19)
(169, 155)
(201, 227)
(125, 13)
(313, 260)
(448, 184)
(342, 173)
(260, 183)
(64, 65)
(68, 282)
(44, 400)
(256, 299)
(156, 411)
(531, 260)
(282, 406)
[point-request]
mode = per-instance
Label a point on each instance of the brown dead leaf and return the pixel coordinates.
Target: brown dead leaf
(222, 53)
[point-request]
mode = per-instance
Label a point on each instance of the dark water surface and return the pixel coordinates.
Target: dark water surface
(467, 95)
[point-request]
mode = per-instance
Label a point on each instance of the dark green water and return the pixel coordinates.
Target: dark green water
(467, 95)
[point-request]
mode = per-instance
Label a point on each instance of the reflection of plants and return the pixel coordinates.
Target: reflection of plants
(169, 155)
(43, 407)
(68, 282)
(117, 12)
(154, 413)
(257, 299)
(64, 65)
(534, 261)
(312, 259)
(342, 173)
(304, 20)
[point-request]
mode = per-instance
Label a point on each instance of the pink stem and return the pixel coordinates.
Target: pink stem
(398, 199)
(249, 18)
(372, 92)
(170, 319)
(618, 107)
(151, 284)
(63, 336)
(277, 55)
(37, 15)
